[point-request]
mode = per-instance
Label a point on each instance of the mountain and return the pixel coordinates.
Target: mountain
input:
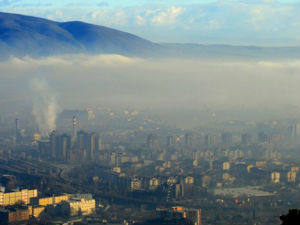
(26, 35)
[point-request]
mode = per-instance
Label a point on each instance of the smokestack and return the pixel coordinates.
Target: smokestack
(74, 135)
(18, 136)
(74, 127)
(17, 124)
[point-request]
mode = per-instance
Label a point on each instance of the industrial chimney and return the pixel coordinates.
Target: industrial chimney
(74, 135)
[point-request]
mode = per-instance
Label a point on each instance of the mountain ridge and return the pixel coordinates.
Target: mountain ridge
(22, 35)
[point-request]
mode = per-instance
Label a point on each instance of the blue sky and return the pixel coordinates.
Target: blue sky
(245, 22)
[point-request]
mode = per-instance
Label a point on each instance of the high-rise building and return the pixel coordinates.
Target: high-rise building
(99, 144)
(189, 180)
(153, 183)
(135, 184)
(82, 139)
(77, 155)
(88, 142)
(210, 140)
(64, 146)
(246, 139)
(294, 130)
(227, 138)
(91, 145)
(275, 177)
(53, 145)
(17, 124)
(44, 146)
(226, 165)
(18, 135)
(291, 176)
(188, 138)
(263, 137)
(152, 141)
(171, 141)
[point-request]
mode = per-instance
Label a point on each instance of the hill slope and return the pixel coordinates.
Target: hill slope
(26, 35)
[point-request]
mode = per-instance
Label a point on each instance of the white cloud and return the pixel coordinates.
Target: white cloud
(264, 15)
(96, 14)
(168, 16)
(58, 15)
(120, 17)
(213, 24)
(140, 20)
(108, 17)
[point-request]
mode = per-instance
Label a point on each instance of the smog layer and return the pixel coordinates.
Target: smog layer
(268, 88)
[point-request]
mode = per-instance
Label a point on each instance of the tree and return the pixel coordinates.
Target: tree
(292, 218)
(63, 209)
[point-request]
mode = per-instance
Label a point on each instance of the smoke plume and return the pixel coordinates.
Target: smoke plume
(45, 107)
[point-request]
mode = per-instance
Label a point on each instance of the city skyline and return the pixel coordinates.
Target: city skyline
(149, 112)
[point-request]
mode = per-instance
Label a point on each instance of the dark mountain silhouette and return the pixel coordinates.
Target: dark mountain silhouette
(26, 35)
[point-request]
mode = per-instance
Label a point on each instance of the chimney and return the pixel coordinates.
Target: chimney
(17, 124)
(74, 127)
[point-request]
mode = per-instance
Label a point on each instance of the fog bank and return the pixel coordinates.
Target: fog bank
(169, 85)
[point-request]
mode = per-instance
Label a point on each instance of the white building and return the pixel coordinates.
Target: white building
(275, 177)
(291, 176)
(226, 165)
(189, 180)
(153, 183)
(81, 205)
(135, 184)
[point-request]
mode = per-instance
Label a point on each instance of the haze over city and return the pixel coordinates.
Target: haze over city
(175, 112)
